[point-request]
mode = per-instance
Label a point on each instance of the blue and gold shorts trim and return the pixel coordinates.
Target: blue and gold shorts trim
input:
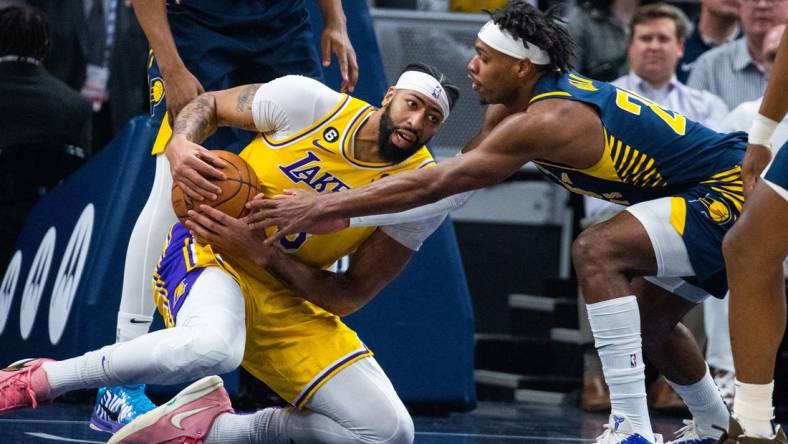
(702, 216)
(323, 377)
(175, 274)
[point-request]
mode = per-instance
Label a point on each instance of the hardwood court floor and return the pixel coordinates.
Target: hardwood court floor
(489, 423)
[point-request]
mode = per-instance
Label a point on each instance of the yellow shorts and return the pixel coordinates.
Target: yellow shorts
(292, 345)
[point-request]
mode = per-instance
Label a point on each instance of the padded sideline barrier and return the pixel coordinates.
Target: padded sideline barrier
(59, 294)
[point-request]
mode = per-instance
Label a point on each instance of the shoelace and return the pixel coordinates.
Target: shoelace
(131, 399)
(689, 431)
(22, 381)
(606, 435)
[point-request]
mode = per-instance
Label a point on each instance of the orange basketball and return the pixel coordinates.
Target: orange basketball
(240, 186)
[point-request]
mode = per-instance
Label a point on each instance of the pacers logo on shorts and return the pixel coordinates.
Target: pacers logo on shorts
(156, 92)
(716, 210)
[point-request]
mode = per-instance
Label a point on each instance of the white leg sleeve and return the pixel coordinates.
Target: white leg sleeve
(136, 300)
(359, 404)
(209, 338)
(715, 321)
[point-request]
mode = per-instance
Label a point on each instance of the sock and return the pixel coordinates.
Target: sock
(706, 405)
(270, 428)
(231, 428)
(131, 326)
(752, 407)
(616, 327)
(82, 372)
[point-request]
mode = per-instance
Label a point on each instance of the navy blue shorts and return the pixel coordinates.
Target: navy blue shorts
(709, 216)
(231, 43)
(777, 173)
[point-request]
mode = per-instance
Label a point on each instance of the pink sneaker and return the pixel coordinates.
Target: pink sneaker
(185, 419)
(23, 384)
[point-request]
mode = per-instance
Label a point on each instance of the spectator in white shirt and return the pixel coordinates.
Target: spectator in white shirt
(740, 119)
(735, 70)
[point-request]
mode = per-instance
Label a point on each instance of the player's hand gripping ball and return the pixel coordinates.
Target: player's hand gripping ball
(240, 187)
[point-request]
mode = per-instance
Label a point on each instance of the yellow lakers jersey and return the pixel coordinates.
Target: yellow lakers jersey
(292, 345)
(320, 158)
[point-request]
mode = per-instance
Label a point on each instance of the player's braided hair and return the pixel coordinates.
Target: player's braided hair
(25, 31)
(544, 29)
(451, 90)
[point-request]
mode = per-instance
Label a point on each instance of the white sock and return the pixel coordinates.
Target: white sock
(616, 327)
(131, 326)
(706, 405)
(271, 427)
(231, 428)
(82, 372)
(752, 407)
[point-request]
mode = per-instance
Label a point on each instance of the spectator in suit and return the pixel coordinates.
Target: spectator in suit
(735, 70)
(83, 54)
(600, 31)
(41, 119)
(718, 24)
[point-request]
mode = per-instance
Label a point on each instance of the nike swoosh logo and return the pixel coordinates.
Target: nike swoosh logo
(113, 416)
(16, 366)
(177, 419)
(317, 144)
(137, 321)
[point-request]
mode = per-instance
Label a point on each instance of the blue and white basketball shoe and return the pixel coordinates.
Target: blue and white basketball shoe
(618, 430)
(117, 406)
(689, 435)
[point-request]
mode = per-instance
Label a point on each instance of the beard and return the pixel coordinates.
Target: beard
(386, 148)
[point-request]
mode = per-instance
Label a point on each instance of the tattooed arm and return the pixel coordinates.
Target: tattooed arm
(191, 165)
(230, 107)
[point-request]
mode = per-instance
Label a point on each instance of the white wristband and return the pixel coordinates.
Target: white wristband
(761, 131)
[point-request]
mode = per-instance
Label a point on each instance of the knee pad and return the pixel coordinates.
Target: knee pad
(199, 352)
(396, 428)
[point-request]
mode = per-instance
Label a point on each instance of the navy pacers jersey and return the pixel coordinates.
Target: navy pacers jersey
(650, 152)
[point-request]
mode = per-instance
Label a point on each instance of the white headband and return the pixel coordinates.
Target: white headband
(505, 42)
(426, 84)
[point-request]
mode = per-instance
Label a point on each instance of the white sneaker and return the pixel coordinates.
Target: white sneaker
(689, 435)
(618, 430)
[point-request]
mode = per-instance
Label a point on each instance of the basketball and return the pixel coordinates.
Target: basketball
(239, 187)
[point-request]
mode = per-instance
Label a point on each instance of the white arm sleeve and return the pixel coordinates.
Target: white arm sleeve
(439, 208)
(291, 103)
(412, 234)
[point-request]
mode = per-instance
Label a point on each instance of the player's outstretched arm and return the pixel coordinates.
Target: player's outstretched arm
(376, 262)
(773, 109)
(493, 116)
(180, 85)
(511, 144)
(191, 165)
